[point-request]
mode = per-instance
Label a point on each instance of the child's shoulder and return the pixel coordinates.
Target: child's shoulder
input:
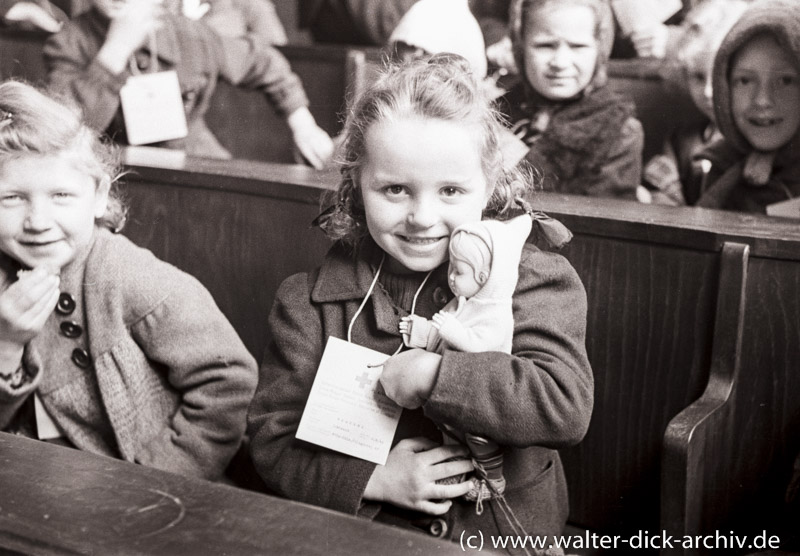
(132, 277)
(538, 268)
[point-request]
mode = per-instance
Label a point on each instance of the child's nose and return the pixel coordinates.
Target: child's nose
(763, 95)
(561, 57)
(38, 217)
(422, 214)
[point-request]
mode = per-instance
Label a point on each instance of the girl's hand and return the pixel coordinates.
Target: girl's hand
(409, 376)
(314, 144)
(131, 25)
(408, 480)
(34, 14)
(25, 306)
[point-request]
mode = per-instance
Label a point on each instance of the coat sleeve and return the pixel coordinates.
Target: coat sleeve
(244, 62)
(213, 373)
(73, 70)
(293, 468)
(540, 394)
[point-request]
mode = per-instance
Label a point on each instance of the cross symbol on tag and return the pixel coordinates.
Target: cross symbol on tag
(364, 380)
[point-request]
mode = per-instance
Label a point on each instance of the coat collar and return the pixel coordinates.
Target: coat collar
(345, 274)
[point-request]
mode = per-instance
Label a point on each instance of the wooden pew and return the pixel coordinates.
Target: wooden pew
(660, 107)
(665, 286)
(243, 120)
(61, 501)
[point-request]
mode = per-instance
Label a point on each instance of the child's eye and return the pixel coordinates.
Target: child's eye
(61, 195)
(10, 199)
(788, 80)
(742, 80)
(394, 189)
(450, 191)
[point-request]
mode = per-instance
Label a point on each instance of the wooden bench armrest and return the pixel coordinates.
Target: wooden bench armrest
(685, 458)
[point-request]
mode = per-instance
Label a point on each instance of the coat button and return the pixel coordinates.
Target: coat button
(71, 329)
(441, 297)
(65, 305)
(438, 528)
(81, 358)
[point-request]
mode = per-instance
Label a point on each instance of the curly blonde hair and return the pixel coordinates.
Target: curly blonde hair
(34, 123)
(441, 87)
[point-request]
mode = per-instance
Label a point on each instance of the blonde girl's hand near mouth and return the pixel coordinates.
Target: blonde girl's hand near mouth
(25, 306)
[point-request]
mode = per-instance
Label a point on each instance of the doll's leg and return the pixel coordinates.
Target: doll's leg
(489, 455)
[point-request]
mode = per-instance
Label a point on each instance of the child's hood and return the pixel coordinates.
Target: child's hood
(780, 19)
(505, 240)
(519, 8)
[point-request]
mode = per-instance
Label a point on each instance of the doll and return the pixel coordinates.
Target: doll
(483, 272)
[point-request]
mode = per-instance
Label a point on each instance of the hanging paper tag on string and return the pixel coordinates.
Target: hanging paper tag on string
(153, 108)
(346, 410)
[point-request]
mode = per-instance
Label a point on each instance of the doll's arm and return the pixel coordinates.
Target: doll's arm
(417, 331)
(542, 392)
(453, 331)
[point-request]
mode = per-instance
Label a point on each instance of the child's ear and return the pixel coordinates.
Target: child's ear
(101, 196)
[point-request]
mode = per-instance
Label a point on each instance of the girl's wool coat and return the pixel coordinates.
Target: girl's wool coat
(173, 379)
(534, 400)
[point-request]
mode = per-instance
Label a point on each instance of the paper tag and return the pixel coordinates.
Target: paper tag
(45, 427)
(641, 14)
(789, 208)
(153, 108)
(345, 411)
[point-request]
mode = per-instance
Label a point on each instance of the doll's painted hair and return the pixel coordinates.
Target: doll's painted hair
(34, 124)
(472, 249)
(521, 15)
(441, 87)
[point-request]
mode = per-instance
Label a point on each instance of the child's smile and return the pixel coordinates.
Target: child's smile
(765, 94)
(421, 178)
(47, 210)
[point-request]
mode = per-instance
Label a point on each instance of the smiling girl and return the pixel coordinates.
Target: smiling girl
(103, 347)
(756, 83)
(421, 158)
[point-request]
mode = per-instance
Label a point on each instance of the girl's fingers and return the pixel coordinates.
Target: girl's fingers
(434, 508)
(451, 468)
(42, 309)
(31, 288)
(441, 453)
(447, 492)
(419, 444)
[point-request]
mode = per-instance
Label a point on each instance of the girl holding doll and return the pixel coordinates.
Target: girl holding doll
(421, 158)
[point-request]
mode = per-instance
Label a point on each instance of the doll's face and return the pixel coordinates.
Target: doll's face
(462, 280)
(765, 93)
(47, 210)
(560, 50)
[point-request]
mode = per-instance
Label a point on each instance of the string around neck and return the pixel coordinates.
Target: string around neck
(369, 293)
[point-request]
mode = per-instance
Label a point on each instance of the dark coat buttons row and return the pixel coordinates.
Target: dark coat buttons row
(65, 305)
